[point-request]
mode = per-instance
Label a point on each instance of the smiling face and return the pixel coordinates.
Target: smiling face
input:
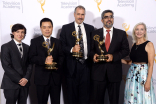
(79, 15)
(108, 20)
(46, 29)
(19, 35)
(140, 31)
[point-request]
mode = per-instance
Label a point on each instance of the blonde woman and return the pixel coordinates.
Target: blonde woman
(139, 85)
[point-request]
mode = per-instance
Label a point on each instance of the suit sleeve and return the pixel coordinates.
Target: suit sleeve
(92, 44)
(124, 51)
(7, 65)
(34, 58)
(63, 38)
(61, 57)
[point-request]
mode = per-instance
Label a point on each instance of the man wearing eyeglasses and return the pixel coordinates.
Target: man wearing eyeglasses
(108, 74)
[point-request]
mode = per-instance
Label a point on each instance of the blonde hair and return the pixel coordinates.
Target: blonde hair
(133, 33)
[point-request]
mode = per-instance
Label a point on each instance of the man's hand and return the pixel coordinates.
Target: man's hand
(49, 60)
(76, 48)
(95, 58)
(110, 57)
(23, 82)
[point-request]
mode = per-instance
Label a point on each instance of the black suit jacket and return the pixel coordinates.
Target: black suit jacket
(37, 56)
(68, 41)
(119, 48)
(15, 67)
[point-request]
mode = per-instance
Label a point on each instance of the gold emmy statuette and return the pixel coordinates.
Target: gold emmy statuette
(77, 54)
(51, 65)
(100, 57)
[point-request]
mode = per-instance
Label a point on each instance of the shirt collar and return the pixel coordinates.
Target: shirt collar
(17, 42)
(78, 24)
(111, 29)
(45, 38)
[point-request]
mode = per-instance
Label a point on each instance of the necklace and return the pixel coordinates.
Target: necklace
(136, 47)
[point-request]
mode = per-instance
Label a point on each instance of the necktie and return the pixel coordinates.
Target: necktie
(81, 45)
(20, 49)
(47, 43)
(107, 41)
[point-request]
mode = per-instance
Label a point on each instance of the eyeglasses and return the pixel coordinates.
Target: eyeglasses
(107, 17)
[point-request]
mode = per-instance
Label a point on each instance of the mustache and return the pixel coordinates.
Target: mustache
(109, 21)
(80, 19)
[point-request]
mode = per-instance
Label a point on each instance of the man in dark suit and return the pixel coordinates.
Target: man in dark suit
(47, 81)
(17, 70)
(108, 75)
(77, 69)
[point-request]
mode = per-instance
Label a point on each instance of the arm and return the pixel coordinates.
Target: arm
(93, 55)
(151, 54)
(66, 49)
(7, 65)
(61, 57)
(34, 58)
(124, 51)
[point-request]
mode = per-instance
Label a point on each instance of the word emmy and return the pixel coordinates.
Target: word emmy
(100, 57)
(77, 54)
(98, 3)
(124, 25)
(42, 2)
(51, 65)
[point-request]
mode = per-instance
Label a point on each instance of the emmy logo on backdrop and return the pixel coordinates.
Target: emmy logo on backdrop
(98, 3)
(124, 25)
(77, 54)
(11, 26)
(42, 2)
(51, 65)
(100, 57)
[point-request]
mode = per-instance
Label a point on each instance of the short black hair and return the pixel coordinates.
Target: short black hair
(46, 20)
(106, 11)
(16, 27)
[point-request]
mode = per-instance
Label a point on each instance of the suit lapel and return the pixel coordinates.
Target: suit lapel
(114, 37)
(43, 48)
(52, 41)
(24, 52)
(101, 38)
(72, 26)
(15, 49)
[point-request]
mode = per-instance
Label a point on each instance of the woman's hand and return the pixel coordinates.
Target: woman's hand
(147, 86)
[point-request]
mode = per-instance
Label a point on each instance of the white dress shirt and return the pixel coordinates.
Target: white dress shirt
(45, 39)
(110, 32)
(16, 42)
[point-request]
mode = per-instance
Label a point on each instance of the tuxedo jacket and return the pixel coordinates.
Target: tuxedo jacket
(15, 67)
(38, 55)
(68, 41)
(119, 48)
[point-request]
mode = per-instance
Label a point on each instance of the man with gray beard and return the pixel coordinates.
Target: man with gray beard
(108, 74)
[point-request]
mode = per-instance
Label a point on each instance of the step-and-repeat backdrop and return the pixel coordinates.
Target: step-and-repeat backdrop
(127, 13)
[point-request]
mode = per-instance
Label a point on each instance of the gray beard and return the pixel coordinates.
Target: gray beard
(109, 26)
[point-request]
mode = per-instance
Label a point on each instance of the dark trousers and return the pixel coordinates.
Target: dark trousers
(99, 88)
(78, 85)
(44, 91)
(16, 95)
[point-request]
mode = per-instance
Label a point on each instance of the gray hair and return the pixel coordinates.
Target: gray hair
(133, 33)
(106, 11)
(81, 7)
